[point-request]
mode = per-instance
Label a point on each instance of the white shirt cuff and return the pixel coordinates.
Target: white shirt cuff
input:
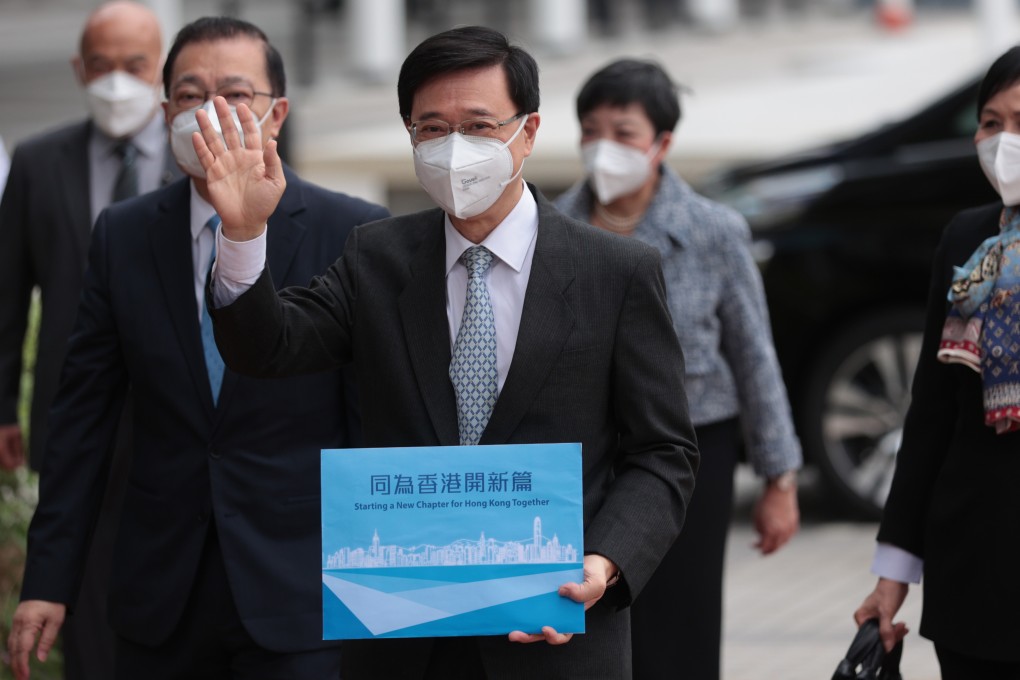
(896, 564)
(239, 264)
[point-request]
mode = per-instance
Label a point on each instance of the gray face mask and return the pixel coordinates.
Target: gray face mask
(185, 124)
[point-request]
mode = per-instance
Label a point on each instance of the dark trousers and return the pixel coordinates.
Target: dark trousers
(956, 666)
(88, 642)
(455, 659)
(676, 621)
(211, 643)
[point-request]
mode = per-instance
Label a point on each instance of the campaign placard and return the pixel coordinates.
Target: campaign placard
(450, 540)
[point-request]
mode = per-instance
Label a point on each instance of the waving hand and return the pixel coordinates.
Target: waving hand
(245, 181)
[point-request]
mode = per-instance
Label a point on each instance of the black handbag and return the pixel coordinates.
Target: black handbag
(867, 659)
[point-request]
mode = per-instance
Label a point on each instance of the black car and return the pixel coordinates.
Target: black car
(845, 237)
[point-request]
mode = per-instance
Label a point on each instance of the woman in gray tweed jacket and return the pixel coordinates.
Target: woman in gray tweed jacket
(628, 111)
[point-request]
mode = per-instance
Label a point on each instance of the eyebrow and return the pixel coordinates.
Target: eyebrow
(475, 113)
(628, 119)
(189, 79)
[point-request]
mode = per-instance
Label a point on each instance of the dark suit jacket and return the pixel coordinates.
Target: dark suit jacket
(596, 362)
(45, 225)
(954, 500)
(251, 465)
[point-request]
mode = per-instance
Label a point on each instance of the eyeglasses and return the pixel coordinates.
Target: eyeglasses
(190, 97)
(425, 130)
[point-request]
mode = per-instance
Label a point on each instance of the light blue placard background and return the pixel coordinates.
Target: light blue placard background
(445, 559)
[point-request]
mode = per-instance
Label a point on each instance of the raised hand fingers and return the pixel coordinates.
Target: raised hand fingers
(274, 166)
(252, 134)
(209, 135)
(208, 143)
(228, 129)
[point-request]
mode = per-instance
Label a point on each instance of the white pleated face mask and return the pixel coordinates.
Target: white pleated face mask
(120, 104)
(185, 124)
(465, 175)
(999, 156)
(615, 169)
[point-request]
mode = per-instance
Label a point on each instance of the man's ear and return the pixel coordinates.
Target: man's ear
(271, 128)
(531, 130)
(78, 66)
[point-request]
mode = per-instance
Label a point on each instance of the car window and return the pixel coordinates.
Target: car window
(965, 121)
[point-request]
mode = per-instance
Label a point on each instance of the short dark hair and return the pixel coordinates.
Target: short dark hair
(1002, 74)
(209, 29)
(464, 49)
(633, 81)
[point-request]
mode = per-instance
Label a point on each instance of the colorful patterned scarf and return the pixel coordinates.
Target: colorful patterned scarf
(982, 328)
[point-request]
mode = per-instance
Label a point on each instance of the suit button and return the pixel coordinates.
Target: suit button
(214, 454)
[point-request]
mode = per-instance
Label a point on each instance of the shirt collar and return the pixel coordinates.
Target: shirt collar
(509, 241)
(149, 141)
(201, 211)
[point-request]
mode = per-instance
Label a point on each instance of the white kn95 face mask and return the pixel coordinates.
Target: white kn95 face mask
(999, 156)
(615, 169)
(465, 174)
(120, 104)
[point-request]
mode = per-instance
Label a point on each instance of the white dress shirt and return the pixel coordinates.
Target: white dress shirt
(240, 263)
(104, 164)
(896, 564)
(512, 243)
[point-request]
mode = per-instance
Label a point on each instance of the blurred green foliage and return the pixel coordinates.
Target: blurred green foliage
(19, 493)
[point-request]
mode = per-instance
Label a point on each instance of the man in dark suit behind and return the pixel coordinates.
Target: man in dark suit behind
(216, 566)
(576, 338)
(59, 183)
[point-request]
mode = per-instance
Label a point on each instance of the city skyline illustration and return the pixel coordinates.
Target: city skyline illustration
(538, 549)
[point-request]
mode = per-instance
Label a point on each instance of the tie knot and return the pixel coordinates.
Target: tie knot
(126, 151)
(477, 260)
(213, 223)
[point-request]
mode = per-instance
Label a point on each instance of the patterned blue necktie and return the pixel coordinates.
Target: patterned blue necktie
(473, 367)
(213, 360)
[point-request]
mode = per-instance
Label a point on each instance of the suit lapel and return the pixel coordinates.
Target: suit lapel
(286, 231)
(546, 322)
(170, 238)
(284, 234)
(427, 334)
(73, 173)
